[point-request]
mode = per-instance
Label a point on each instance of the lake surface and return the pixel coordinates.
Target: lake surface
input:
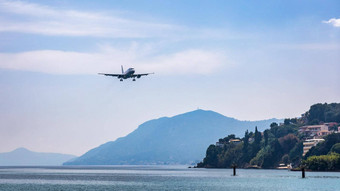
(161, 178)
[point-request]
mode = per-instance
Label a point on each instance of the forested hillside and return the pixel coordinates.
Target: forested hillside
(323, 113)
(279, 144)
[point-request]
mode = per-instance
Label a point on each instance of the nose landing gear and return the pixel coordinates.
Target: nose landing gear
(121, 80)
(134, 79)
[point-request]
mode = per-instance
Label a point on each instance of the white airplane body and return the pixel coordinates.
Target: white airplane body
(129, 73)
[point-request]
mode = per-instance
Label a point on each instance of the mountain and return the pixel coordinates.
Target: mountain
(181, 139)
(22, 156)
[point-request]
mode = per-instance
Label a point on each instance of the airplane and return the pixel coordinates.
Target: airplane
(129, 73)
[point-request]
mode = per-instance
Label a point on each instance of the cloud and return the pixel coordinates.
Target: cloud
(32, 18)
(108, 59)
(23, 17)
(333, 21)
(308, 46)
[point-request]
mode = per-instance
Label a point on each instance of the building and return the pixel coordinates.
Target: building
(323, 133)
(235, 141)
(309, 143)
(312, 130)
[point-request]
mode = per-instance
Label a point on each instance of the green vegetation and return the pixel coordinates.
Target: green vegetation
(325, 147)
(336, 148)
(323, 162)
(323, 113)
(325, 155)
(280, 144)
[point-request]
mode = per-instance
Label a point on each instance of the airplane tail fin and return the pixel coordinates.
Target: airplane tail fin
(122, 69)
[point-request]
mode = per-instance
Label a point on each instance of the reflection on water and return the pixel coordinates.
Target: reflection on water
(161, 178)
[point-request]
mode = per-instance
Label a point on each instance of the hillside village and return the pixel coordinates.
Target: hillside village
(314, 134)
(290, 144)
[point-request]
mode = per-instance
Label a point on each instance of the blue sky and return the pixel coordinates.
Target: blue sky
(248, 60)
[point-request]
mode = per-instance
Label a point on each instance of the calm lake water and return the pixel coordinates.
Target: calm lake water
(161, 178)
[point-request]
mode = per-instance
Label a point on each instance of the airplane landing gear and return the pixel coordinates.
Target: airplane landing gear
(134, 79)
(121, 80)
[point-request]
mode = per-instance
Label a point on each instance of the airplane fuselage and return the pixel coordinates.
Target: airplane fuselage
(128, 73)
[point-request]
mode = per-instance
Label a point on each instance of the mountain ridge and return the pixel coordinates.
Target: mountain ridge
(180, 139)
(24, 157)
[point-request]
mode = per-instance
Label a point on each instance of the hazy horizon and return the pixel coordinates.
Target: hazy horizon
(246, 60)
(32, 150)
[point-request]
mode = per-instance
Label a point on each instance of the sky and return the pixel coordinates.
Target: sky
(250, 60)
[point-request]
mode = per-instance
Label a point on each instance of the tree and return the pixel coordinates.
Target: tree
(231, 136)
(211, 159)
(323, 113)
(263, 158)
(294, 120)
(314, 122)
(280, 131)
(288, 142)
(285, 159)
(336, 148)
(258, 136)
(323, 162)
(255, 146)
(233, 154)
(265, 135)
(273, 125)
(317, 111)
(295, 154)
(245, 157)
(246, 141)
(286, 122)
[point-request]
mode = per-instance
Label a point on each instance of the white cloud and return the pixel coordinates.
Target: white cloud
(32, 18)
(26, 17)
(308, 46)
(333, 21)
(194, 61)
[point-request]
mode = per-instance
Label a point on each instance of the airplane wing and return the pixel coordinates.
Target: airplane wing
(113, 75)
(140, 75)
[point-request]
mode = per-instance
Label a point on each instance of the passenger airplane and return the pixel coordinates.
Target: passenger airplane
(129, 73)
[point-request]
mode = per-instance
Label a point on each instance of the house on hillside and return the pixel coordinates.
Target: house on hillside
(235, 141)
(332, 126)
(323, 133)
(313, 130)
(309, 143)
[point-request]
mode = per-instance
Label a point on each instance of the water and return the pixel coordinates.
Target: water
(161, 178)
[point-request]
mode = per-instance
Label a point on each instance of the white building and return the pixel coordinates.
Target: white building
(309, 143)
